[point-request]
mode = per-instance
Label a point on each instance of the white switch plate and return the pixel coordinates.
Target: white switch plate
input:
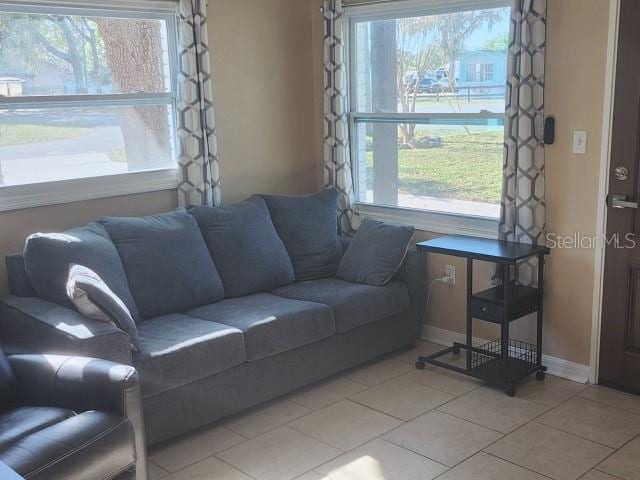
(580, 142)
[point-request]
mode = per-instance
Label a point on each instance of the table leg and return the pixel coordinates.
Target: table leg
(540, 373)
(504, 331)
(469, 318)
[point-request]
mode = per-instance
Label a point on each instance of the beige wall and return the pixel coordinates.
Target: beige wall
(262, 65)
(576, 41)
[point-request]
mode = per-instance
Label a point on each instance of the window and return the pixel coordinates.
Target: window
(86, 93)
(425, 136)
(480, 72)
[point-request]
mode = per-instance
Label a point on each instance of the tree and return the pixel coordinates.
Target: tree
(416, 53)
(498, 43)
(453, 31)
(145, 128)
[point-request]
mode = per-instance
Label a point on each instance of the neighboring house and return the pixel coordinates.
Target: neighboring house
(482, 69)
(11, 87)
(45, 79)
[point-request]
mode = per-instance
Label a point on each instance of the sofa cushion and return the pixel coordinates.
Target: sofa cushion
(271, 324)
(178, 349)
(47, 257)
(245, 247)
(308, 226)
(375, 253)
(353, 304)
(17, 423)
(167, 262)
(75, 448)
(94, 299)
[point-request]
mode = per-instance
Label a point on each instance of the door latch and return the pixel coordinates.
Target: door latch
(618, 200)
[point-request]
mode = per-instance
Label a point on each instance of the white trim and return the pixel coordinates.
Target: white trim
(558, 367)
(603, 186)
(15, 197)
(130, 8)
(435, 222)
(398, 9)
(97, 101)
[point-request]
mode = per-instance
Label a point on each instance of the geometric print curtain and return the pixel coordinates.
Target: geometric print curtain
(337, 161)
(522, 213)
(198, 163)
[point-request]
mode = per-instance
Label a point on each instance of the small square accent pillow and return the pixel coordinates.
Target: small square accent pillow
(375, 253)
(245, 247)
(308, 227)
(94, 299)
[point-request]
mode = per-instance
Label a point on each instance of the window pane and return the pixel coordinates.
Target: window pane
(68, 54)
(453, 167)
(64, 143)
(453, 62)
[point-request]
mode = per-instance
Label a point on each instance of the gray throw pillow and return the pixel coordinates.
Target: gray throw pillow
(308, 227)
(166, 261)
(375, 253)
(47, 257)
(245, 247)
(94, 299)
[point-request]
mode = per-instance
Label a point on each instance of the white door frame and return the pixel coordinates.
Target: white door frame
(605, 158)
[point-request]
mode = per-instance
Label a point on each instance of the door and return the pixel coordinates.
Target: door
(620, 331)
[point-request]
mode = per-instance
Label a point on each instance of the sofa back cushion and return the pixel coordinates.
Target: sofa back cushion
(308, 227)
(245, 247)
(166, 261)
(48, 256)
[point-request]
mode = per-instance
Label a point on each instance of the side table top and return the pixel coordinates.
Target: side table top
(498, 251)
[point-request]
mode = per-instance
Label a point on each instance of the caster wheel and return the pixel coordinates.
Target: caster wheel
(456, 350)
(420, 365)
(540, 375)
(510, 391)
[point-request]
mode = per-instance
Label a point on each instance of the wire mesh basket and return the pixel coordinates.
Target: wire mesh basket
(487, 360)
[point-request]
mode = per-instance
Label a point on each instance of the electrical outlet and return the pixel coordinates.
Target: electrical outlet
(450, 274)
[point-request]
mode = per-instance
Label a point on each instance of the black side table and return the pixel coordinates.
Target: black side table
(505, 361)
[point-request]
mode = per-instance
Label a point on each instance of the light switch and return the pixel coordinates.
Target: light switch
(580, 142)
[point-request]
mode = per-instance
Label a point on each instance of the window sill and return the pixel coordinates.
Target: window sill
(14, 197)
(435, 222)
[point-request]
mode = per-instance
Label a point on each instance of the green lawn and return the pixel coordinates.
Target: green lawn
(464, 167)
(15, 134)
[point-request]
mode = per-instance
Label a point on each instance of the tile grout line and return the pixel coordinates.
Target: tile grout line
(612, 454)
(533, 420)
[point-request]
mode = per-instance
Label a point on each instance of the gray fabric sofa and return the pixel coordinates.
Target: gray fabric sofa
(205, 363)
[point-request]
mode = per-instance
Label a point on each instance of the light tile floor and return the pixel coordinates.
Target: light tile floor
(388, 421)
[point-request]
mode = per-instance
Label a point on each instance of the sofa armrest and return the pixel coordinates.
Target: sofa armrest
(34, 325)
(83, 384)
(413, 273)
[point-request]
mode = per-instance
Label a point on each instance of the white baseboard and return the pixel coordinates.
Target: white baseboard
(556, 366)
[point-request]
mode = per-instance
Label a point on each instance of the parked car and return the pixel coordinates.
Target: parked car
(444, 85)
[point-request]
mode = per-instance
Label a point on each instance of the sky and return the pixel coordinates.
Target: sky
(482, 35)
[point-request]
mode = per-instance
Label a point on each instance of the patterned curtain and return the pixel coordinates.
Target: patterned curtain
(522, 217)
(199, 182)
(337, 161)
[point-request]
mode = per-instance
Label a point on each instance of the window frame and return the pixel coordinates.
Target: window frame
(427, 220)
(100, 186)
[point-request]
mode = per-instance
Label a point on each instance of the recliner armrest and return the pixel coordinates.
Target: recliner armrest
(34, 325)
(82, 384)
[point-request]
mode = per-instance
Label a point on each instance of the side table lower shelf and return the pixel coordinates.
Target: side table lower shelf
(486, 363)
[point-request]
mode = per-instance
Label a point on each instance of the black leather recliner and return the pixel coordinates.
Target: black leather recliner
(71, 418)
